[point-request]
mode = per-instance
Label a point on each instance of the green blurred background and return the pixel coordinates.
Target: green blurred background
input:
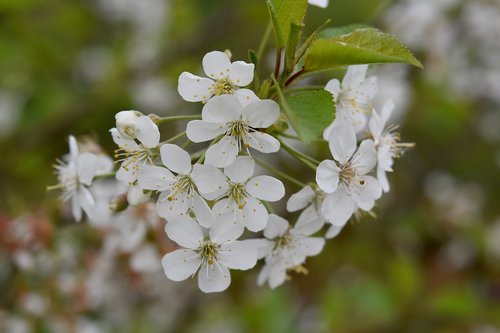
(429, 262)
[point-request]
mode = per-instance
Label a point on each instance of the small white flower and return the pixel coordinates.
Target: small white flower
(226, 78)
(213, 253)
(309, 198)
(319, 3)
(290, 246)
(75, 174)
(386, 142)
(353, 98)
(242, 194)
(224, 115)
(179, 193)
(137, 139)
(345, 179)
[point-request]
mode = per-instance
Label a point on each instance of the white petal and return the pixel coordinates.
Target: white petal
(376, 125)
(185, 232)
(207, 178)
(241, 169)
(147, 132)
(223, 152)
(246, 96)
(123, 142)
(333, 231)
(213, 278)
(86, 201)
(175, 158)
(173, 205)
(312, 246)
(73, 147)
(338, 207)
(128, 171)
(224, 230)
(201, 131)
(328, 131)
(309, 222)
(319, 3)
(136, 196)
(382, 178)
(365, 190)
(276, 226)
(367, 90)
(261, 114)
(241, 73)
(355, 75)
(238, 255)
(265, 188)
(86, 167)
(327, 176)
(263, 246)
(277, 275)
(263, 142)
(365, 159)
(301, 199)
(202, 212)
(222, 109)
(181, 264)
(104, 165)
(76, 208)
(333, 86)
(255, 215)
(193, 88)
(154, 178)
(342, 142)
(216, 65)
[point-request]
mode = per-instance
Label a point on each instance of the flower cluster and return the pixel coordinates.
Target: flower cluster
(211, 196)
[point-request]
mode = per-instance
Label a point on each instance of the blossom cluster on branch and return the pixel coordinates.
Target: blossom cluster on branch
(212, 200)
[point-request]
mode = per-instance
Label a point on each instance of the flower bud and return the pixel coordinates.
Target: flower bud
(126, 121)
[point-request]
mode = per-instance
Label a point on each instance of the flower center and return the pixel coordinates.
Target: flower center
(238, 194)
(68, 179)
(283, 241)
(347, 173)
(183, 183)
(222, 87)
(239, 130)
(209, 252)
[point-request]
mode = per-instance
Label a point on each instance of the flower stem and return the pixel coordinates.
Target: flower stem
(264, 41)
(294, 77)
(280, 173)
(104, 176)
(175, 118)
(178, 136)
(299, 155)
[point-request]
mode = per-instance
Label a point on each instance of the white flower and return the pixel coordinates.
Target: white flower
(309, 198)
(345, 179)
(386, 142)
(290, 246)
(137, 147)
(224, 115)
(353, 98)
(179, 193)
(213, 252)
(319, 3)
(226, 79)
(242, 194)
(75, 174)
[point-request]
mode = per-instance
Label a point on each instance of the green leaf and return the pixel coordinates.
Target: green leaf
(284, 13)
(337, 31)
(293, 42)
(362, 46)
(253, 57)
(309, 111)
